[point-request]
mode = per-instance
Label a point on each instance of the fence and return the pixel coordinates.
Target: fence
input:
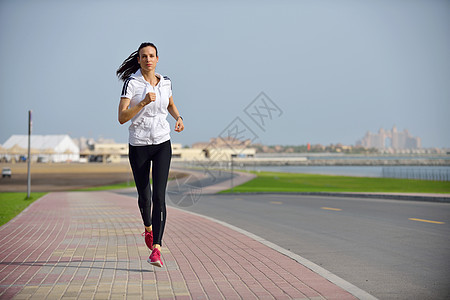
(422, 173)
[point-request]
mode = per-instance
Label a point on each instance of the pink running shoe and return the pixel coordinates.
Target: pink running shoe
(148, 239)
(155, 258)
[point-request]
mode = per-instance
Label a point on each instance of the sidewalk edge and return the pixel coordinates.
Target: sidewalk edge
(25, 210)
(407, 197)
(347, 286)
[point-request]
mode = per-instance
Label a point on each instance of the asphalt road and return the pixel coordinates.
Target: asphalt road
(385, 247)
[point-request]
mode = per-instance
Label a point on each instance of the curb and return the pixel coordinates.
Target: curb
(345, 285)
(407, 197)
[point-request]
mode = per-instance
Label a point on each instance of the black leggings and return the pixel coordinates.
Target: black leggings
(141, 158)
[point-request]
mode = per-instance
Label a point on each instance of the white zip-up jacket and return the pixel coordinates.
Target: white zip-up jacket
(150, 125)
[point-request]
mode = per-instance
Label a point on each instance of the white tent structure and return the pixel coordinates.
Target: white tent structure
(52, 148)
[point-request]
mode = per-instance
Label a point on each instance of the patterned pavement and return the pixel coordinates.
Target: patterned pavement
(88, 245)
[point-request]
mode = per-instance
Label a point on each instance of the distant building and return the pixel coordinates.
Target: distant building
(186, 154)
(43, 148)
(105, 152)
(227, 142)
(116, 153)
(394, 139)
(223, 149)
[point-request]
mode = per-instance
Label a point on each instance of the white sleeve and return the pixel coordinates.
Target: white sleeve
(127, 89)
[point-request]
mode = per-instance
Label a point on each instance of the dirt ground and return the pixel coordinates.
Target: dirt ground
(66, 176)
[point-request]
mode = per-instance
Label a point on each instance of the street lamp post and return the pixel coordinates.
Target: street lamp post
(29, 156)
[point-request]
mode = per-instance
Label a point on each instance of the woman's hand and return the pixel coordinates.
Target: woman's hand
(179, 126)
(150, 97)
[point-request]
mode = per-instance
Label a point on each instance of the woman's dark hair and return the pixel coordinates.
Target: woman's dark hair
(131, 65)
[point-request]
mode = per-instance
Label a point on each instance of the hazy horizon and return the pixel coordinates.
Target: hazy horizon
(103, 138)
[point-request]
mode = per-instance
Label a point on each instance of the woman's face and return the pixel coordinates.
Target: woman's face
(147, 58)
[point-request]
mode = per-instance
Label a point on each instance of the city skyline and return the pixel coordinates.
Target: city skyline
(393, 138)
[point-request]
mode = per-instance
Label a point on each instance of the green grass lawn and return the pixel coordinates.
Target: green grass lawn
(291, 182)
(11, 204)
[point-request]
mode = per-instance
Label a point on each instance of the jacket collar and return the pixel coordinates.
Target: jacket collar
(138, 75)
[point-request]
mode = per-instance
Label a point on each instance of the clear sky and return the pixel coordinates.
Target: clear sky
(334, 69)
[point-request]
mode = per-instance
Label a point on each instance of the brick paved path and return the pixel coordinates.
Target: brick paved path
(84, 245)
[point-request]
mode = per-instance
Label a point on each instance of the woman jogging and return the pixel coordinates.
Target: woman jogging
(146, 100)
